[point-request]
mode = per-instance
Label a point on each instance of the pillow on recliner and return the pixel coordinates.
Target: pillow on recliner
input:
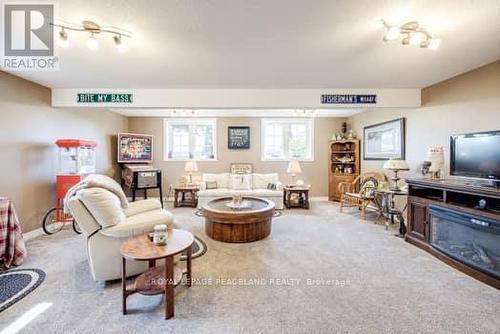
(103, 205)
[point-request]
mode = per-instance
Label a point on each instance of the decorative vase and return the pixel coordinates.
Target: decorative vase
(351, 135)
(160, 235)
(344, 127)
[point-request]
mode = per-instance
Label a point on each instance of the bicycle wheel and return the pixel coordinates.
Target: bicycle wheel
(76, 228)
(50, 223)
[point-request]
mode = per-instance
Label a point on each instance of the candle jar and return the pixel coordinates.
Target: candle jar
(160, 235)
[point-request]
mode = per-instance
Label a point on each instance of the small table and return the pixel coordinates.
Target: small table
(387, 208)
(156, 280)
(191, 200)
(244, 224)
(303, 194)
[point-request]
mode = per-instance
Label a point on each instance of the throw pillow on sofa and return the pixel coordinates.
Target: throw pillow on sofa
(272, 186)
(261, 181)
(211, 185)
(241, 181)
(223, 179)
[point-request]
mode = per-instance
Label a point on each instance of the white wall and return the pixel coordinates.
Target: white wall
(467, 103)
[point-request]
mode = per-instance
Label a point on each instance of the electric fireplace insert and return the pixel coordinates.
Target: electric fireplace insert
(467, 238)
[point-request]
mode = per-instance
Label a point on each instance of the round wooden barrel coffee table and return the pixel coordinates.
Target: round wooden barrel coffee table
(249, 223)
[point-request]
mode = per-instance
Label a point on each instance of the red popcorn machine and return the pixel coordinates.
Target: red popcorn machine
(76, 161)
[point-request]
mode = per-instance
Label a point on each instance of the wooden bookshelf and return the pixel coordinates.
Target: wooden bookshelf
(343, 165)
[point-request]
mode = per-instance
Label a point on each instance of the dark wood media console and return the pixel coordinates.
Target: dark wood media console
(445, 220)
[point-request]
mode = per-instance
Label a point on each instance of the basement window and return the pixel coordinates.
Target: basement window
(287, 139)
(186, 139)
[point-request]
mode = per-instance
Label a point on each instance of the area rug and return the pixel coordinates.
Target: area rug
(199, 249)
(277, 213)
(16, 284)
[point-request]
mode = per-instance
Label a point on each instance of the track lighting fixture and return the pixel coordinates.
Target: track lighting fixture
(92, 42)
(304, 113)
(184, 113)
(121, 46)
(93, 29)
(63, 39)
(411, 34)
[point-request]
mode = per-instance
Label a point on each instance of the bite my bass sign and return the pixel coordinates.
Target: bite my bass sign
(104, 98)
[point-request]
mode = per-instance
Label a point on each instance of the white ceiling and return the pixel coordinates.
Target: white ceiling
(273, 44)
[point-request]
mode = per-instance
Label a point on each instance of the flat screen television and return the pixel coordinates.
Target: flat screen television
(476, 155)
(133, 148)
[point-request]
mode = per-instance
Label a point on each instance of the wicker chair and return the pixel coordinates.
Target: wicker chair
(360, 192)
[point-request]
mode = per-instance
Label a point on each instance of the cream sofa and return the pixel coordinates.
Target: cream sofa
(106, 225)
(254, 184)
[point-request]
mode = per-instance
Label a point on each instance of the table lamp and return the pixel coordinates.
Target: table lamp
(396, 165)
(191, 167)
(294, 169)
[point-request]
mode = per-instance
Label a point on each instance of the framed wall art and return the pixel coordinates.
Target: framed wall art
(384, 141)
(238, 137)
(242, 168)
(135, 148)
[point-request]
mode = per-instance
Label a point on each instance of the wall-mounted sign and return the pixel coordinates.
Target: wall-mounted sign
(104, 98)
(238, 137)
(348, 99)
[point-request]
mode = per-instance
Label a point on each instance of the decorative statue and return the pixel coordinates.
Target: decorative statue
(344, 127)
(435, 155)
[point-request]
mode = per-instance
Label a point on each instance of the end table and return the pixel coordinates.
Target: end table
(191, 200)
(302, 193)
(157, 280)
(388, 208)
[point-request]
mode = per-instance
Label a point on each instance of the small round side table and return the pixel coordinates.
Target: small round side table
(191, 200)
(156, 280)
(387, 207)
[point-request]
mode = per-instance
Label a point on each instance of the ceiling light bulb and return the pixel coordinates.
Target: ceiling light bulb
(92, 43)
(392, 33)
(416, 38)
(434, 44)
(63, 39)
(121, 46)
(425, 43)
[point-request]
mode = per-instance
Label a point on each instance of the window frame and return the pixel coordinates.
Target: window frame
(190, 122)
(265, 121)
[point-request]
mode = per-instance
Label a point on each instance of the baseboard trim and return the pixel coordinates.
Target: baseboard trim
(319, 198)
(171, 199)
(33, 234)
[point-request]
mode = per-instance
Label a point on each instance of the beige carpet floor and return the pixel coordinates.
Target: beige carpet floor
(318, 272)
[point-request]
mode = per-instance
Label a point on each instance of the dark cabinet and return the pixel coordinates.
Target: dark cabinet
(417, 219)
(446, 220)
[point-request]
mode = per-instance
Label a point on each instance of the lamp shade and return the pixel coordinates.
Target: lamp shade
(396, 164)
(191, 166)
(294, 167)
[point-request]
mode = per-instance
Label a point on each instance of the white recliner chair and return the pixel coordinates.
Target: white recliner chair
(106, 225)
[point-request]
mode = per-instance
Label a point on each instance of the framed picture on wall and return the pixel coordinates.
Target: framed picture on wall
(384, 141)
(238, 137)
